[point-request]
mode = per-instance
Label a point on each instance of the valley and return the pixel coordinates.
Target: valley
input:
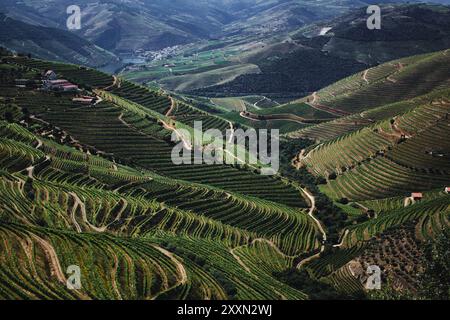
(89, 122)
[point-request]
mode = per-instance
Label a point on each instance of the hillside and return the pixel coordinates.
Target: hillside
(123, 27)
(406, 30)
(374, 94)
(390, 134)
(347, 105)
(80, 181)
(101, 175)
(389, 158)
(306, 60)
(387, 168)
(52, 44)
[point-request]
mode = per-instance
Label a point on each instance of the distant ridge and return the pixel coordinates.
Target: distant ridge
(52, 44)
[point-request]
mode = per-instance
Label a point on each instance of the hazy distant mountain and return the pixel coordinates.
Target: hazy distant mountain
(285, 15)
(405, 30)
(52, 44)
(124, 26)
(309, 61)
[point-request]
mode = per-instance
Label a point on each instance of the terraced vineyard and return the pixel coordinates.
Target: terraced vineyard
(378, 93)
(405, 155)
(94, 186)
(388, 83)
(178, 111)
(387, 166)
(80, 75)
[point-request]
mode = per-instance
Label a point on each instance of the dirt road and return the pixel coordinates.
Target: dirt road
(312, 199)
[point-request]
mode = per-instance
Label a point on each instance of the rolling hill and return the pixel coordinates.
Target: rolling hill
(125, 26)
(76, 171)
(53, 44)
(386, 165)
(306, 60)
(376, 94)
(94, 186)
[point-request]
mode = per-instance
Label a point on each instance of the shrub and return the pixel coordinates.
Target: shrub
(332, 176)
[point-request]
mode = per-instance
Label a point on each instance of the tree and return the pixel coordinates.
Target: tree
(321, 181)
(435, 281)
(332, 176)
(29, 189)
(9, 117)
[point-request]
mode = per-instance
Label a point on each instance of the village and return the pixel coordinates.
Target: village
(158, 55)
(152, 56)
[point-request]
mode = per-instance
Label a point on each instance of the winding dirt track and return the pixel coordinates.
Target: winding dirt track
(390, 78)
(297, 161)
(332, 110)
(364, 76)
(39, 145)
(286, 117)
(79, 204)
(238, 259)
(172, 106)
(312, 208)
(30, 169)
(187, 144)
(114, 273)
(55, 266)
(50, 253)
(315, 97)
(183, 277)
(116, 83)
(340, 244)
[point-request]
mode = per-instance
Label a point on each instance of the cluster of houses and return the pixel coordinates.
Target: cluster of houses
(51, 82)
(159, 54)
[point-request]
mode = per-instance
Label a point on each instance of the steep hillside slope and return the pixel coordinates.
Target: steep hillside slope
(78, 181)
(374, 94)
(388, 169)
(390, 157)
(81, 181)
(124, 26)
(307, 60)
(268, 17)
(52, 44)
(406, 30)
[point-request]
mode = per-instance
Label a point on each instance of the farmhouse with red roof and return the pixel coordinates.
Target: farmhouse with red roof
(417, 196)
